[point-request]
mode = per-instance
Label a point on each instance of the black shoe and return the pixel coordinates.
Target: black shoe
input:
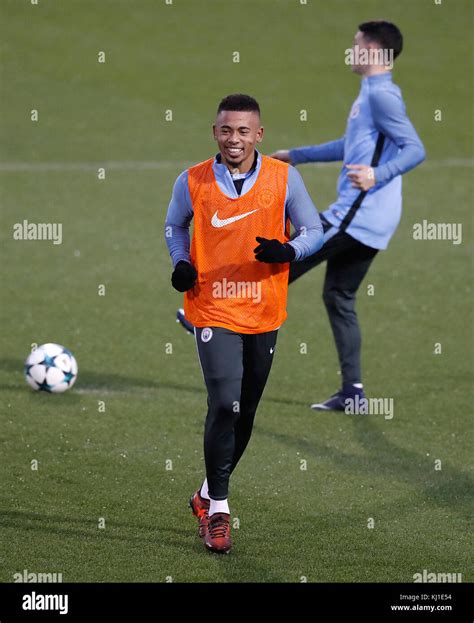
(337, 402)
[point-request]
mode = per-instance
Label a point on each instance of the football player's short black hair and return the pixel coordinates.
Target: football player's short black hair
(239, 101)
(384, 33)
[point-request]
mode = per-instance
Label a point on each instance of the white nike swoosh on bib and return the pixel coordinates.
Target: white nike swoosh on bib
(217, 222)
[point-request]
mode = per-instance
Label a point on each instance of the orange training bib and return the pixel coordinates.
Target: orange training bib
(233, 289)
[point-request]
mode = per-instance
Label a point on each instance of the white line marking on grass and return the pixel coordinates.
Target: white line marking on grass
(144, 165)
(104, 391)
(118, 165)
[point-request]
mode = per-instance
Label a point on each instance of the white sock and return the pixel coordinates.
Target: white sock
(219, 506)
(204, 492)
(358, 385)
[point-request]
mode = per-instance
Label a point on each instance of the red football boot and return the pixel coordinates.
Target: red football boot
(200, 508)
(217, 538)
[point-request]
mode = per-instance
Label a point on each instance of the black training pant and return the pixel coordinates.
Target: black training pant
(348, 261)
(235, 368)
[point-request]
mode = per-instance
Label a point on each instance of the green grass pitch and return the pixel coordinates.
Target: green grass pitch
(294, 524)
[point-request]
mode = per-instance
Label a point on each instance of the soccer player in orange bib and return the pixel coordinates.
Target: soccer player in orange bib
(235, 278)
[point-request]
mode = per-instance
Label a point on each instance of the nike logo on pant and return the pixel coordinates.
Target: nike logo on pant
(217, 222)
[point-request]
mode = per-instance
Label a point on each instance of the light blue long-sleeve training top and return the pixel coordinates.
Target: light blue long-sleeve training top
(379, 107)
(299, 208)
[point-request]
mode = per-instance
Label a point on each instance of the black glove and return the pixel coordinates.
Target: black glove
(184, 276)
(273, 251)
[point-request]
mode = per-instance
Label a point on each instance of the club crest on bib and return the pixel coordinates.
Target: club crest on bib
(265, 198)
(206, 334)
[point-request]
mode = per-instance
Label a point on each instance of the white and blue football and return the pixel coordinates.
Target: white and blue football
(51, 368)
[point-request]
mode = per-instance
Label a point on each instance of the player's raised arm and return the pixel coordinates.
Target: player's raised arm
(390, 118)
(326, 152)
(178, 219)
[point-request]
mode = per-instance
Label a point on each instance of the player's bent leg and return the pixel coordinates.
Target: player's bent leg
(258, 358)
(219, 437)
(344, 275)
(258, 353)
(340, 305)
(333, 245)
(221, 357)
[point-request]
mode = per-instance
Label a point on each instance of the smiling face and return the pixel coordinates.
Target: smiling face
(237, 132)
